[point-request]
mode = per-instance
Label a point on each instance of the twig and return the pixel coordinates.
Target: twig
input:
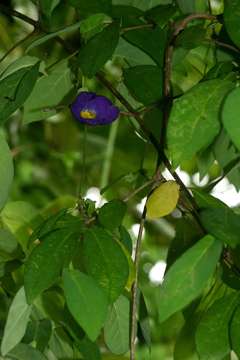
(133, 330)
(8, 11)
(136, 27)
(19, 43)
(135, 192)
(227, 46)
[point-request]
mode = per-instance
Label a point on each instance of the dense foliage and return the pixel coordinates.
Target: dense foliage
(119, 115)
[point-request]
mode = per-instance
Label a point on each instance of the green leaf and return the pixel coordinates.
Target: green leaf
(188, 276)
(43, 334)
(212, 337)
(15, 89)
(234, 331)
(116, 328)
(231, 19)
(43, 38)
(6, 168)
(144, 83)
(151, 41)
(98, 50)
(111, 214)
(161, 14)
(86, 301)
(185, 347)
(24, 352)
(105, 261)
(192, 37)
(8, 245)
(194, 119)
(16, 324)
(93, 25)
(89, 350)
(92, 6)
(205, 200)
(44, 264)
(222, 223)
(132, 54)
(188, 7)
(230, 116)
(49, 91)
(47, 6)
(125, 238)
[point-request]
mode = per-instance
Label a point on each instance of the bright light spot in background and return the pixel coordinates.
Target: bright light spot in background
(93, 194)
(135, 229)
(198, 182)
(141, 205)
(156, 273)
(227, 193)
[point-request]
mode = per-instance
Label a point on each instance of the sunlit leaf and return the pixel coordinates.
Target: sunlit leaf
(163, 200)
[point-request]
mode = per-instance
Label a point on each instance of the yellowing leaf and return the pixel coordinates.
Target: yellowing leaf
(163, 200)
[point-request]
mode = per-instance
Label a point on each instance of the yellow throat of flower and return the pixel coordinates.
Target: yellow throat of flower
(88, 114)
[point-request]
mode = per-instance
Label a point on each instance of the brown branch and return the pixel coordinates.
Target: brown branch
(177, 28)
(227, 46)
(11, 12)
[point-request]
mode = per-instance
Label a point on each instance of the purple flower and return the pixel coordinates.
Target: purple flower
(93, 109)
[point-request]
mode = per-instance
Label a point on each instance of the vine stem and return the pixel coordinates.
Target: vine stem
(19, 43)
(134, 303)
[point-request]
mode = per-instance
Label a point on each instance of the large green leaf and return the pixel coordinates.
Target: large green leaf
(15, 89)
(231, 19)
(98, 50)
(44, 264)
(16, 324)
(222, 223)
(194, 119)
(144, 83)
(188, 7)
(111, 214)
(188, 276)
(86, 301)
(230, 116)
(234, 331)
(116, 328)
(6, 168)
(25, 352)
(151, 41)
(92, 6)
(212, 335)
(49, 91)
(106, 261)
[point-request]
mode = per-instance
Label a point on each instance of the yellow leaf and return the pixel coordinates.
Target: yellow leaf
(163, 200)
